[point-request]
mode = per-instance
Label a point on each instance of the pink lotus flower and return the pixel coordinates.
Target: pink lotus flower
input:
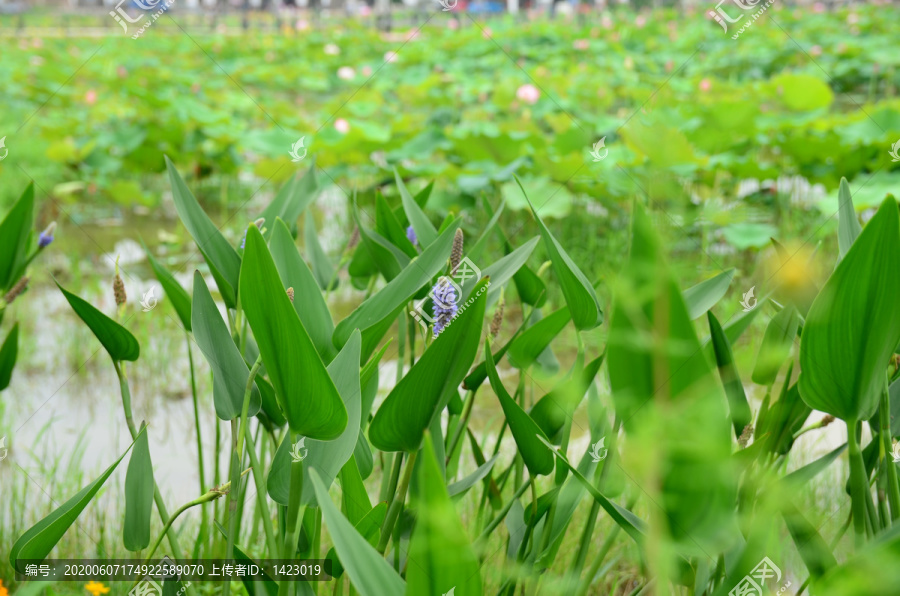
(342, 126)
(346, 73)
(412, 35)
(302, 25)
(331, 50)
(366, 71)
(528, 93)
(90, 98)
(581, 44)
(640, 21)
(705, 85)
(452, 24)
(816, 50)
(390, 56)
(818, 7)
(606, 22)
(365, 11)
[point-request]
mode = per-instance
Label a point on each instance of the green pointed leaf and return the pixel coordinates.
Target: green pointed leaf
(369, 527)
(530, 343)
(425, 232)
(624, 518)
(326, 457)
(706, 294)
(801, 476)
(138, 496)
(322, 268)
(230, 372)
(39, 540)
(420, 396)
(14, 232)
(853, 325)
(579, 292)
(459, 488)
(440, 555)
(293, 198)
(524, 430)
(776, 345)
(369, 573)
(308, 300)
(504, 269)
(390, 228)
(8, 353)
(181, 301)
(664, 390)
(307, 395)
(378, 312)
(738, 406)
(848, 225)
(118, 341)
(813, 549)
(388, 259)
(356, 500)
(224, 263)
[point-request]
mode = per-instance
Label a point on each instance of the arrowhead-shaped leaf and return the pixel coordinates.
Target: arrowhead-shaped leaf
(39, 540)
(138, 496)
(230, 372)
(420, 396)
(224, 263)
(118, 341)
(307, 395)
(853, 325)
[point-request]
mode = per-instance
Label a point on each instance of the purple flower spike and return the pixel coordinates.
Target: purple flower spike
(444, 296)
(46, 237)
(411, 236)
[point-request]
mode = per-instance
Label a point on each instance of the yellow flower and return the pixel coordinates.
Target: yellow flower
(3, 590)
(95, 588)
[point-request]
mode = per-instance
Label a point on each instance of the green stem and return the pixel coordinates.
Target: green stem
(463, 423)
(259, 480)
(893, 488)
(204, 516)
(157, 496)
(858, 484)
(236, 458)
(292, 523)
(396, 504)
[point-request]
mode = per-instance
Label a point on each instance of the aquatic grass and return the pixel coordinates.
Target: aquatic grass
(519, 495)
